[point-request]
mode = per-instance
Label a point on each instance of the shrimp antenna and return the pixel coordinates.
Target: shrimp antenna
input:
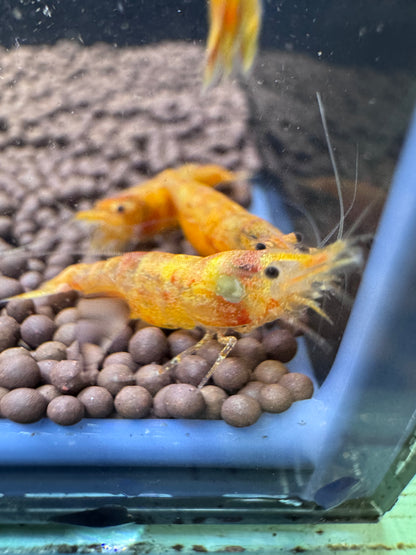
(354, 196)
(334, 166)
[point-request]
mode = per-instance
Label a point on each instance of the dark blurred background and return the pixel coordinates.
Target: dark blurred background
(361, 32)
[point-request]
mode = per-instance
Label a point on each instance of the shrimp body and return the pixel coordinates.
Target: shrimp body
(213, 223)
(146, 209)
(233, 289)
(210, 220)
(233, 36)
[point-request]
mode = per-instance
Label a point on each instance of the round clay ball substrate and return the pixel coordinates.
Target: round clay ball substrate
(148, 345)
(250, 350)
(231, 374)
(120, 357)
(133, 401)
(97, 401)
(23, 405)
(269, 371)
(179, 341)
(19, 371)
(252, 389)
(9, 332)
(19, 309)
(50, 350)
(191, 369)
(299, 385)
(48, 391)
(184, 401)
(275, 398)
(65, 410)
(152, 377)
(240, 411)
(67, 376)
(214, 398)
(36, 329)
(280, 345)
(114, 377)
(159, 408)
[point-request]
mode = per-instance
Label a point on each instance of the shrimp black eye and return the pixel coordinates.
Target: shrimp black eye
(271, 272)
(299, 237)
(120, 209)
(260, 246)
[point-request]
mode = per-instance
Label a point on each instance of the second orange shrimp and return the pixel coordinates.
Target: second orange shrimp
(145, 209)
(210, 220)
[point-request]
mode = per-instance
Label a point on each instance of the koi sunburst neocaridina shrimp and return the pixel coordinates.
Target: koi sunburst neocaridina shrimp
(213, 223)
(241, 290)
(184, 196)
(145, 209)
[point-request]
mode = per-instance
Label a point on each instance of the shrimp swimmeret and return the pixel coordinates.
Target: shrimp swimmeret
(241, 290)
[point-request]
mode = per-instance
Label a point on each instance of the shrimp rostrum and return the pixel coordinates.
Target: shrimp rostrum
(239, 290)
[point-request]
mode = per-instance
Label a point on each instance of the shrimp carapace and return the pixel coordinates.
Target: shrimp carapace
(145, 209)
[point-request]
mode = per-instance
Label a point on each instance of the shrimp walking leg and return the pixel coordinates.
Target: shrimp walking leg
(229, 342)
(189, 351)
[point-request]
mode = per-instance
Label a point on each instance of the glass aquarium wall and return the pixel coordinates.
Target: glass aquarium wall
(311, 414)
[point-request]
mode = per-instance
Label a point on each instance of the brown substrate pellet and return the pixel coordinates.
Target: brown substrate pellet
(36, 329)
(23, 405)
(68, 376)
(152, 377)
(191, 369)
(184, 401)
(249, 349)
(280, 344)
(240, 411)
(214, 398)
(97, 401)
(65, 410)
(114, 377)
(269, 371)
(252, 389)
(273, 397)
(300, 386)
(19, 371)
(232, 374)
(19, 309)
(50, 350)
(179, 341)
(9, 332)
(120, 357)
(148, 345)
(9, 287)
(133, 401)
(48, 391)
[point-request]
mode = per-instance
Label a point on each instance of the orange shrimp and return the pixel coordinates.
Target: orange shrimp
(210, 220)
(233, 36)
(213, 223)
(241, 290)
(146, 209)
